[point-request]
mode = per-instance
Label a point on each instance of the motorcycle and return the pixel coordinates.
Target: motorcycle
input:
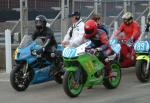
(125, 50)
(32, 68)
(84, 69)
(142, 48)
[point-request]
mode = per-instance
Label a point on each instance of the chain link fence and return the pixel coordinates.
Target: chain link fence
(110, 10)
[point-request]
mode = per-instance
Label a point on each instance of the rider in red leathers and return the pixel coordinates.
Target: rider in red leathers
(98, 37)
(131, 30)
(101, 46)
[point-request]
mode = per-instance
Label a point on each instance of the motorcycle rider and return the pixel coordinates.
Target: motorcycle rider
(131, 33)
(75, 33)
(47, 36)
(99, 38)
(97, 18)
(101, 44)
(148, 23)
(130, 28)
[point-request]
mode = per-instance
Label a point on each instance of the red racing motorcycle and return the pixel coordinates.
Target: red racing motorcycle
(125, 50)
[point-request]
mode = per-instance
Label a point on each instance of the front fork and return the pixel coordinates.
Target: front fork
(25, 69)
(146, 58)
(78, 73)
(147, 67)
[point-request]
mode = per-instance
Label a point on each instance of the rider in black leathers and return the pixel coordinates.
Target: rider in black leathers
(47, 36)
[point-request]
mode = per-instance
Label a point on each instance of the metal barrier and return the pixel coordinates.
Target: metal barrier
(119, 15)
(2, 37)
(89, 15)
(13, 29)
(138, 18)
(54, 20)
(8, 53)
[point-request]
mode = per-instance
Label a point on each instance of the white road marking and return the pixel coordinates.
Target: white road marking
(4, 77)
(4, 80)
(3, 73)
(141, 85)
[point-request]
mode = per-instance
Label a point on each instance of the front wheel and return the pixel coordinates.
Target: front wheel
(113, 76)
(142, 70)
(20, 77)
(58, 77)
(72, 83)
(58, 70)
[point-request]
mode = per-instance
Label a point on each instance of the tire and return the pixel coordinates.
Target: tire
(112, 82)
(58, 77)
(68, 88)
(140, 73)
(16, 81)
(58, 70)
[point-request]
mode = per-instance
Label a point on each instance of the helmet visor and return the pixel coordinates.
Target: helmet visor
(89, 31)
(38, 22)
(125, 20)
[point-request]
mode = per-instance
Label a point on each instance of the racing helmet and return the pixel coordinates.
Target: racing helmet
(127, 18)
(90, 29)
(40, 22)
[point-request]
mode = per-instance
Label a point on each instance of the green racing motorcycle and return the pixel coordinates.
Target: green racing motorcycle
(142, 48)
(83, 69)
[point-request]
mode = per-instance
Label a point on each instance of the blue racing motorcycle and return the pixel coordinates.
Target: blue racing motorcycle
(32, 68)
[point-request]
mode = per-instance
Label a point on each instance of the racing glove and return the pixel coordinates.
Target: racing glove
(94, 51)
(40, 51)
(131, 41)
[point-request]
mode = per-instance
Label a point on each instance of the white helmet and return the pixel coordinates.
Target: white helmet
(127, 15)
(127, 18)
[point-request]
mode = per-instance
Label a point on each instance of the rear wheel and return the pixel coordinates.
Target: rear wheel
(142, 71)
(20, 78)
(113, 76)
(72, 83)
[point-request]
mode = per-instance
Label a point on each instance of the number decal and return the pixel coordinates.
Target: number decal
(69, 52)
(113, 41)
(142, 46)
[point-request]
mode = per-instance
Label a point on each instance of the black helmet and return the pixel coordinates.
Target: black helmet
(40, 22)
(76, 14)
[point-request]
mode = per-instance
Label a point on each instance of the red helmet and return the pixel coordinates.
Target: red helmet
(90, 29)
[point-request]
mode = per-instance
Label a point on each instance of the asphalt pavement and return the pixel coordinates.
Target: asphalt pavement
(130, 90)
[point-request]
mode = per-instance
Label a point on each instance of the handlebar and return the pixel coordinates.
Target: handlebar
(37, 53)
(124, 41)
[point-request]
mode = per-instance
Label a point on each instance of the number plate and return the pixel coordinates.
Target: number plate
(69, 52)
(142, 46)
